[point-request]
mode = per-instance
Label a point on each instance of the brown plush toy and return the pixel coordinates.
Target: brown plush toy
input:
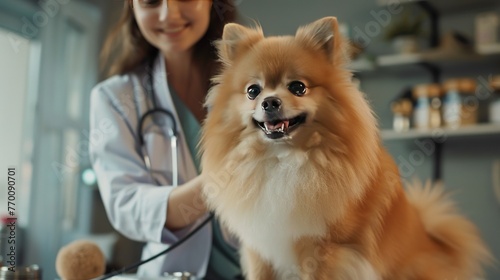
(80, 260)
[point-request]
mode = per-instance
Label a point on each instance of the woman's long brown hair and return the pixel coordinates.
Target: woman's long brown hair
(125, 48)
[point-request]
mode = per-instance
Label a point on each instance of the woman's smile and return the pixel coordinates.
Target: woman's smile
(173, 31)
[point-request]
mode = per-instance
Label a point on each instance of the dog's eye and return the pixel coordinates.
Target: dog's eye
(253, 91)
(297, 88)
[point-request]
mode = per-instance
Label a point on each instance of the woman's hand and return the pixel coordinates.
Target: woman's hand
(185, 204)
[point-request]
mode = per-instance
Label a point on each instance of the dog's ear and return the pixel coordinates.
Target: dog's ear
(237, 38)
(324, 35)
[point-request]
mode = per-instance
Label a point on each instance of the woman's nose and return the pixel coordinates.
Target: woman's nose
(169, 9)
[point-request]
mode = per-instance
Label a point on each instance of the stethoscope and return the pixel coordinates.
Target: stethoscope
(172, 130)
(172, 133)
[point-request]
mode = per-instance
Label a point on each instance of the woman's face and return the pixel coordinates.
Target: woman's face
(173, 26)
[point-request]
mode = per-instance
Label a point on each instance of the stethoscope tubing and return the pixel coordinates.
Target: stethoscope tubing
(175, 245)
(173, 142)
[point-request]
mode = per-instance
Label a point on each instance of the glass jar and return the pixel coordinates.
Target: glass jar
(460, 104)
(401, 110)
(427, 110)
(32, 272)
(494, 110)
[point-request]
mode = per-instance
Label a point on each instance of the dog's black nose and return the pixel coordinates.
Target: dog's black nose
(271, 104)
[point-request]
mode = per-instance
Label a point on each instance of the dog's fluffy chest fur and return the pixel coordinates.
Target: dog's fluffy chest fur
(270, 226)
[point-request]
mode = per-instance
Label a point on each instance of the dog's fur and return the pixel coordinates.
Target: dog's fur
(326, 202)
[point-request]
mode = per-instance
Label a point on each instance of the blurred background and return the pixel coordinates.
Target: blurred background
(429, 68)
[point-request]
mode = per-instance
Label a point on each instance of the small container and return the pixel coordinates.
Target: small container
(32, 272)
(460, 104)
(487, 29)
(179, 276)
(402, 113)
(494, 108)
(427, 110)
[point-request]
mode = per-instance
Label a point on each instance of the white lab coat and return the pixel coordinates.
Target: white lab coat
(137, 206)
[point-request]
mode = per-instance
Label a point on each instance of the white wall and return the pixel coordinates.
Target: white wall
(14, 58)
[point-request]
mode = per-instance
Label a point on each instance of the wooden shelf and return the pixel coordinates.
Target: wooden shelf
(362, 64)
(444, 5)
(472, 130)
(430, 57)
(398, 59)
(485, 54)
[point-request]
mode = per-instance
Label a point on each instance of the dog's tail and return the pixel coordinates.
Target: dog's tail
(444, 223)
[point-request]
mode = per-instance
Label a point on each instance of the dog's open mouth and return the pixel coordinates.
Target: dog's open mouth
(279, 128)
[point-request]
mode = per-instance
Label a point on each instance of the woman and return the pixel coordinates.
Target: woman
(161, 55)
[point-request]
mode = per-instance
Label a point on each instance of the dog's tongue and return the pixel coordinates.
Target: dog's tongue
(281, 125)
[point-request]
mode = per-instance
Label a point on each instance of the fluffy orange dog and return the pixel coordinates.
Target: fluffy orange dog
(297, 170)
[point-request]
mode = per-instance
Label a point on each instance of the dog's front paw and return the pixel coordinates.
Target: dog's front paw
(254, 266)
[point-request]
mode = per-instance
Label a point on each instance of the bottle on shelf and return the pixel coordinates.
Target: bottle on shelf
(494, 107)
(401, 109)
(427, 110)
(460, 104)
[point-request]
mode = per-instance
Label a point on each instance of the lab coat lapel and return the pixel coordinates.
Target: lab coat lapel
(186, 164)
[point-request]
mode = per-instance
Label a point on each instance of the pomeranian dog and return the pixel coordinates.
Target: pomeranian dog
(296, 169)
